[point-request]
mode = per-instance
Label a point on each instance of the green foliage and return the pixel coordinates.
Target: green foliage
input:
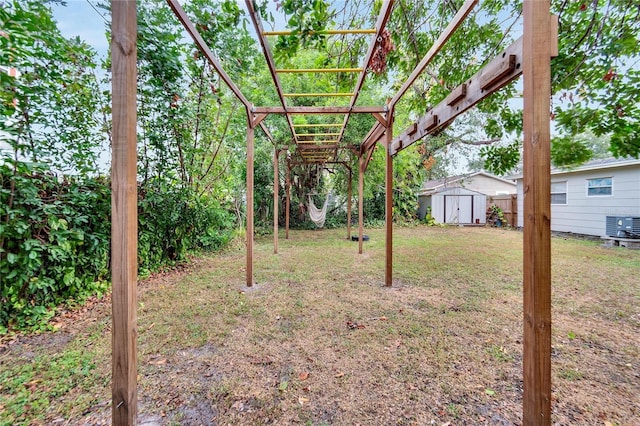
(569, 152)
(174, 220)
(54, 106)
(501, 159)
(307, 19)
(595, 76)
(53, 242)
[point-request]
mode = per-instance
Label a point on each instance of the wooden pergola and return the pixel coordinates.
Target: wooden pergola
(529, 56)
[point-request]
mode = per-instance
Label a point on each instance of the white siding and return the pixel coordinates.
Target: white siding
(587, 215)
(488, 185)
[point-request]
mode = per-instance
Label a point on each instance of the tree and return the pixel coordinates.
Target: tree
(52, 111)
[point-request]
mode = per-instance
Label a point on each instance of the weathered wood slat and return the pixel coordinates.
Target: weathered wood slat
(124, 213)
(320, 110)
(538, 47)
(388, 207)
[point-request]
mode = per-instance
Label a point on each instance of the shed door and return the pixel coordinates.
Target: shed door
(458, 208)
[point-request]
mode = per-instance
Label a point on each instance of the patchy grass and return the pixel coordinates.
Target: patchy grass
(318, 340)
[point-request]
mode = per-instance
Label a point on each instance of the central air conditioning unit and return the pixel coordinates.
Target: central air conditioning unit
(623, 226)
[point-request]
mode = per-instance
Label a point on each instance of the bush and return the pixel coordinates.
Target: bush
(174, 220)
(55, 237)
(54, 242)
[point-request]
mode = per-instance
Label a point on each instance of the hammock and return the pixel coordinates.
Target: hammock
(318, 215)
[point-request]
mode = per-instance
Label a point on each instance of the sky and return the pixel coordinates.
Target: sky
(78, 18)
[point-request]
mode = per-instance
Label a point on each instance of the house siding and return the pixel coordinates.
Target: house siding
(587, 215)
(488, 185)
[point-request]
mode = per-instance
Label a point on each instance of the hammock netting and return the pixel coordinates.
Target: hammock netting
(317, 215)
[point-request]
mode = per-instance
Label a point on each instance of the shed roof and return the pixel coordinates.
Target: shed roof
(432, 186)
(457, 190)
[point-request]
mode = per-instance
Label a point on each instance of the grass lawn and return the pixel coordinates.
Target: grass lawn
(319, 340)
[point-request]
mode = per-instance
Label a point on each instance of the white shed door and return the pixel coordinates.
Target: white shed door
(457, 208)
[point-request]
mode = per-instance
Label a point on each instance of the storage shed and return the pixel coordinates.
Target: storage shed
(458, 206)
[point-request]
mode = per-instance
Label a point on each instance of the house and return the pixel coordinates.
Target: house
(582, 198)
(474, 183)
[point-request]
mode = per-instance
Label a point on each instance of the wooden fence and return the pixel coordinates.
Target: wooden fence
(509, 205)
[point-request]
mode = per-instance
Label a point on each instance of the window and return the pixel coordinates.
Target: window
(599, 186)
(559, 192)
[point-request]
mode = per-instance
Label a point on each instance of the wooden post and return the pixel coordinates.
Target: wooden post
(388, 210)
(287, 208)
(124, 214)
(276, 188)
(349, 195)
(537, 213)
(360, 203)
(250, 135)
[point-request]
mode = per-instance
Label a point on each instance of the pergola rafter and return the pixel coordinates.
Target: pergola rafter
(529, 56)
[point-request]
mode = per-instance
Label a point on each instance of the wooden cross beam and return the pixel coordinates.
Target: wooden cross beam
(502, 70)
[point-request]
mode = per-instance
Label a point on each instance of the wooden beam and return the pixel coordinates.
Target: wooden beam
(316, 70)
(388, 211)
(437, 46)
(288, 200)
(318, 134)
(374, 135)
(360, 203)
(319, 94)
(320, 110)
(368, 156)
(493, 75)
(250, 153)
(538, 47)
(204, 48)
(124, 214)
(380, 118)
(327, 32)
(276, 188)
(349, 196)
(313, 147)
(443, 114)
(257, 119)
(319, 125)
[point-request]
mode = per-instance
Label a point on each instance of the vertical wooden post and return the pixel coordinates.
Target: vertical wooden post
(276, 188)
(124, 213)
(388, 210)
(287, 207)
(537, 213)
(349, 195)
(250, 135)
(360, 203)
